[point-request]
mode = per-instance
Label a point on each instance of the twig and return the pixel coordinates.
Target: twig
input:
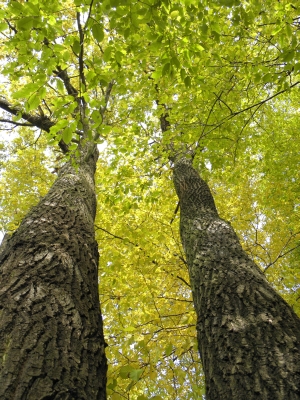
(260, 103)
(281, 255)
(106, 98)
(175, 212)
(103, 109)
(89, 14)
(81, 54)
(15, 123)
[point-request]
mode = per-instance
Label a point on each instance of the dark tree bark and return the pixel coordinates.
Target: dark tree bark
(51, 337)
(248, 336)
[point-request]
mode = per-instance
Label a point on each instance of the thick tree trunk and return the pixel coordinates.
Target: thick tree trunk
(248, 336)
(51, 340)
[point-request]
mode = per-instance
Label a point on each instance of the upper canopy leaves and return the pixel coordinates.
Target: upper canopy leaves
(224, 75)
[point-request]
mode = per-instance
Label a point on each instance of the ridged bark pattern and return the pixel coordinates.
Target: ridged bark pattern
(51, 337)
(248, 336)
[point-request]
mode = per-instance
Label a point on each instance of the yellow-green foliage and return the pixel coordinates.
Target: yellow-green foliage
(25, 176)
(224, 73)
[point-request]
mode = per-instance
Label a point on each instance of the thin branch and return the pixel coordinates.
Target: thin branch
(89, 15)
(183, 280)
(218, 97)
(173, 298)
(175, 212)
(281, 254)
(11, 26)
(118, 237)
(107, 96)
(9, 121)
(243, 128)
(81, 54)
(104, 108)
(141, 249)
(260, 103)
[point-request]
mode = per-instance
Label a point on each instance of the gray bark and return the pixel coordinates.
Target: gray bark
(51, 337)
(248, 336)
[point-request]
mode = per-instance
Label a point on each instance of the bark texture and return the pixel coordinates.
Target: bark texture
(248, 336)
(51, 337)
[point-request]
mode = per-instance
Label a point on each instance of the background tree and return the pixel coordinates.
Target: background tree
(223, 82)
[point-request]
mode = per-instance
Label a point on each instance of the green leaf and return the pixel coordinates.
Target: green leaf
(267, 77)
(107, 53)
(3, 26)
(129, 329)
(126, 33)
(169, 349)
(288, 56)
(76, 46)
(297, 67)
(187, 81)
(67, 135)
(26, 90)
(98, 32)
(17, 7)
(174, 14)
(289, 30)
(112, 383)
(175, 62)
(51, 20)
(60, 86)
(125, 371)
(166, 69)
(58, 126)
(25, 23)
(229, 3)
(96, 117)
(33, 102)
(136, 374)
(156, 75)
(182, 73)
(69, 131)
(17, 117)
(118, 57)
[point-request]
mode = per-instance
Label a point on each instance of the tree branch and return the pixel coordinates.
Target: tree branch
(63, 75)
(41, 122)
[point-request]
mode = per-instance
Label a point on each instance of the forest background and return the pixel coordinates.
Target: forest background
(225, 75)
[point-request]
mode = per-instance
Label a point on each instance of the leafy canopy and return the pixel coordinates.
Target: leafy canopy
(137, 77)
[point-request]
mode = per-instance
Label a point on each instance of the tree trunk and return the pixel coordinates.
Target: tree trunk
(51, 340)
(248, 336)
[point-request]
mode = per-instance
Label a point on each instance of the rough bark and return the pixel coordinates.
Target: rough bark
(248, 336)
(51, 337)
